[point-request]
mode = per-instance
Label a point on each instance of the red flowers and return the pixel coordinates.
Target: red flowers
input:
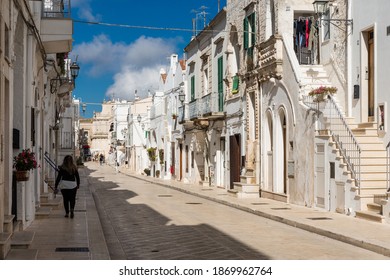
(323, 91)
(25, 161)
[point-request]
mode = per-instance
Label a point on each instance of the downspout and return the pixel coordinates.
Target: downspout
(349, 31)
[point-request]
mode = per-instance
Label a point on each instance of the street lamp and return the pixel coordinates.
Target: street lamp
(321, 7)
(182, 96)
(74, 71)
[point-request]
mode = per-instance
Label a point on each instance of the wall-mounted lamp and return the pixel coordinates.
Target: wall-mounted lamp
(74, 71)
(84, 107)
(182, 96)
(63, 85)
(139, 118)
(321, 7)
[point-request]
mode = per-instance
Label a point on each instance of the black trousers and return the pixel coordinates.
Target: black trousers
(69, 196)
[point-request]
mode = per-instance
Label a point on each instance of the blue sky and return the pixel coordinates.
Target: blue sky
(116, 61)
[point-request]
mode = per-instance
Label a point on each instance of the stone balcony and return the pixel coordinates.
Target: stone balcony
(56, 26)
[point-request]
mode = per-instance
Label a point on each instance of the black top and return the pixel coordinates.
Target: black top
(63, 174)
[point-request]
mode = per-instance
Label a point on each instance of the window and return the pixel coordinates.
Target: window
(250, 33)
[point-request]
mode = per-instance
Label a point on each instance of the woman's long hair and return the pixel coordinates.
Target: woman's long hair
(68, 165)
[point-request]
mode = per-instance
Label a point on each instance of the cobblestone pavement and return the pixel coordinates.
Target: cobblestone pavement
(144, 220)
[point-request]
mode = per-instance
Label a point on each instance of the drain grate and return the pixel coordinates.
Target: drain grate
(72, 249)
(80, 210)
(281, 208)
(260, 203)
(193, 203)
(319, 218)
(164, 195)
(207, 189)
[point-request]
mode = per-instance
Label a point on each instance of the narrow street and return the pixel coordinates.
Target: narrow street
(146, 221)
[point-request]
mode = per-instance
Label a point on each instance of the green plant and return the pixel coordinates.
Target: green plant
(152, 153)
(25, 161)
(158, 173)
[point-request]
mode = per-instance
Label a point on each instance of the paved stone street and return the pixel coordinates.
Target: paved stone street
(142, 220)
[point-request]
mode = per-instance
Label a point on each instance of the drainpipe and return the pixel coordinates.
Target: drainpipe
(349, 30)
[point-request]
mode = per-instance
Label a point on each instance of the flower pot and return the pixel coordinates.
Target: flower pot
(22, 175)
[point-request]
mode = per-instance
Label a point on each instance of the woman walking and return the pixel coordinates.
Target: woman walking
(68, 180)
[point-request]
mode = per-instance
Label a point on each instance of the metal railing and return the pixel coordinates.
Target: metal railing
(194, 109)
(388, 169)
(56, 9)
(345, 140)
(341, 133)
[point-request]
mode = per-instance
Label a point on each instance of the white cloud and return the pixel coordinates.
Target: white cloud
(84, 10)
(134, 66)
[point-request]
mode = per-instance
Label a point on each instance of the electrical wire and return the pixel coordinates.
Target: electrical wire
(152, 27)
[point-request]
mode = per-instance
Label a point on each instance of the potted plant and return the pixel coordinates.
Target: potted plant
(147, 171)
(23, 163)
(152, 154)
(320, 94)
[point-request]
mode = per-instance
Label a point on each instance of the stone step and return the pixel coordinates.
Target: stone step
(375, 208)
(365, 131)
(368, 215)
(54, 203)
(248, 179)
(43, 212)
(5, 244)
(8, 223)
(22, 239)
(22, 254)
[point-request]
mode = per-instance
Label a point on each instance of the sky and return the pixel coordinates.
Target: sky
(116, 61)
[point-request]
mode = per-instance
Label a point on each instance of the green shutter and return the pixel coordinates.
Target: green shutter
(246, 37)
(220, 74)
(192, 88)
(236, 82)
(253, 29)
(220, 84)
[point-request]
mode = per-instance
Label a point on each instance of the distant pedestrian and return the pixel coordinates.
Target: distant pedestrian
(101, 159)
(68, 180)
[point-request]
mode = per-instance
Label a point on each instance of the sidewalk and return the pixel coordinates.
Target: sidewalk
(60, 238)
(82, 238)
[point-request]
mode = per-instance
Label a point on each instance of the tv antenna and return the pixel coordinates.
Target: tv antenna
(200, 13)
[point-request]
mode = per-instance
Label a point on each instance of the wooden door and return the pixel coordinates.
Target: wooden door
(235, 159)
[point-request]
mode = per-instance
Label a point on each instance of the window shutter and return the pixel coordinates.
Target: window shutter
(253, 29)
(220, 74)
(246, 37)
(192, 88)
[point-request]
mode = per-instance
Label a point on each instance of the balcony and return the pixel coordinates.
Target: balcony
(271, 58)
(194, 109)
(212, 106)
(56, 26)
